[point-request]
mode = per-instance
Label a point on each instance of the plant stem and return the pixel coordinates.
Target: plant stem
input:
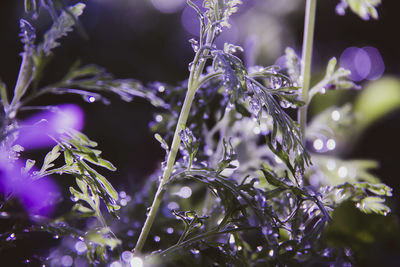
(309, 23)
(193, 85)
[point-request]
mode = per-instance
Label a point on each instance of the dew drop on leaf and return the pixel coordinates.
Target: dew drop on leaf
(255, 106)
(195, 251)
(148, 211)
(195, 44)
(275, 82)
(285, 104)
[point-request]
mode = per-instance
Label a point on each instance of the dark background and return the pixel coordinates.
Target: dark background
(144, 44)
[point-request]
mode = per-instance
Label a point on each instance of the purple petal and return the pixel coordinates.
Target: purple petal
(35, 130)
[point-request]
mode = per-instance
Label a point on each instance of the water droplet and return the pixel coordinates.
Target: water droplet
(190, 66)
(218, 30)
(323, 90)
(173, 205)
(256, 130)
(161, 88)
(123, 202)
(259, 248)
(195, 251)
(157, 239)
(170, 230)
(148, 211)
(331, 165)
(67, 260)
(130, 233)
(231, 239)
(185, 192)
(285, 104)
(195, 44)
(255, 106)
(115, 264)
(80, 247)
(342, 172)
(163, 165)
(159, 118)
(122, 194)
(271, 253)
(91, 99)
(11, 237)
(4, 214)
(318, 144)
(136, 262)
(126, 256)
(275, 82)
(335, 115)
(331, 144)
(12, 114)
(74, 199)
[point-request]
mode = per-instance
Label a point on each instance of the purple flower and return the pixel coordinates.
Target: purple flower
(35, 131)
(40, 195)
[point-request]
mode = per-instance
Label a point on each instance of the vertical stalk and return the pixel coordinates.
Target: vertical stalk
(193, 84)
(309, 23)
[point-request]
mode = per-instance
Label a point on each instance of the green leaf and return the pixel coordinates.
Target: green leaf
(61, 26)
(363, 8)
(373, 205)
(49, 158)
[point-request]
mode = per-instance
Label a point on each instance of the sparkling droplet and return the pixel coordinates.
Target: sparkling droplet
(157, 239)
(195, 44)
(335, 115)
(67, 260)
(126, 256)
(80, 247)
(195, 251)
(342, 172)
(91, 99)
(185, 192)
(148, 211)
(331, 165)
(331, 144)
(115, 264)
(271, 253)
(161, 88)
(323, 90)
(259, 248)
(318, 144)
(255, 106)
(159, 118)
(190, 66)
(275, 82)
(285, 104)
(136, 262)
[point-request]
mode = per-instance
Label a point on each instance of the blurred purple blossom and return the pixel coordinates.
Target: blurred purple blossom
(364, 63)
(35, 130)
(37, 196)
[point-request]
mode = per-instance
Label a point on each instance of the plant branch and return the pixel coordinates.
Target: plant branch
(193, 84)
(309, 23)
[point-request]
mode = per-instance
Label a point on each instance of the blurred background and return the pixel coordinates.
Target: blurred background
(148, 40)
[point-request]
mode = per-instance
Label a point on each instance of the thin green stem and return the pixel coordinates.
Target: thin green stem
(193, 85)
(309, 23)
